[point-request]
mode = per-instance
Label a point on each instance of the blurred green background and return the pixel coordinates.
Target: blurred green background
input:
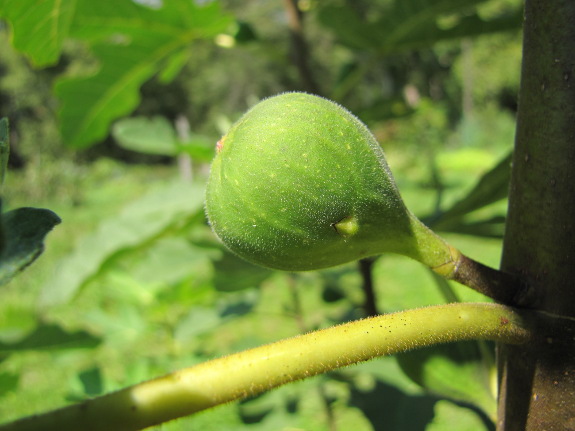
(113, 125)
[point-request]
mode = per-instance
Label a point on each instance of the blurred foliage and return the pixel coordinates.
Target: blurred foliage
(134, 284)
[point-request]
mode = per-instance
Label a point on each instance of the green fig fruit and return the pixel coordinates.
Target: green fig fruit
(299, 183)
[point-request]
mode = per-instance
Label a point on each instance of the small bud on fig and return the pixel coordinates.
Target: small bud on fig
(299, 183)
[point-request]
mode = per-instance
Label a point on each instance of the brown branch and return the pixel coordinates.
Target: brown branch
(536, 381)
(498, 285)
(365, 269)
(300, 50)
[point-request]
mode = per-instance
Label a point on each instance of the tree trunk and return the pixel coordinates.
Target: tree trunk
(537, 382)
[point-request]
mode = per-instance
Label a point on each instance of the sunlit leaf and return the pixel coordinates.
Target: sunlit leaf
(198, 321)
(382, 403)
(169, 260)
(199, 148)
(141, 222)
(132, 43)
(146, 135)
(16, 323)
(39, 27)
(449, 416)
(493, 227)
(491, 187)
(455, 371)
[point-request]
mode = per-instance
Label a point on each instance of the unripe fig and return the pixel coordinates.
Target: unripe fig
(299, 183)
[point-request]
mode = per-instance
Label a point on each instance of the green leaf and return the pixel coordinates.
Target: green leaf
(449, 416)
(412, 24)
(139, 224)
(8, 382)
(198, 321)
(168, 261)
(173, 66)
(92, 382)
(39, 28)
(146, 135)
(491, 187)
(24, 232)
(382, 403)
(132, 43)
(51, 337)
(233, 273)
(199, 148)
(15, 323)
(455, 371)
(493, 227)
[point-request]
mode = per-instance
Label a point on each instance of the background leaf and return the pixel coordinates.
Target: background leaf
(449, 416)
(51, 337)
(132, 43)
(233, 273)
(8, 382)
(146, 135)
(453, 371)
(139, 223)
(24, 232)
(490, 188)
(413, 24)
(39, 27)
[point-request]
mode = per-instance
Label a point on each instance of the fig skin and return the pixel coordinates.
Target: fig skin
(299, 183)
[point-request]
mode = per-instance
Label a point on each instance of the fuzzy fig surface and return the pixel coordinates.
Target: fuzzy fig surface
(299, 183)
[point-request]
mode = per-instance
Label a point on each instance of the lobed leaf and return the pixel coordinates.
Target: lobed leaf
(132, 43)
(39, 28)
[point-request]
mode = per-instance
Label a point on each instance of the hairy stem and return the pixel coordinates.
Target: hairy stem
(260, 369)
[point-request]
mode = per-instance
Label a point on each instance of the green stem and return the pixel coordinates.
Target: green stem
(430, 249)
(260, 369)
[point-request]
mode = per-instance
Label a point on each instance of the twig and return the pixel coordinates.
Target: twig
(300, 50)
(365, 269)
(263, 368)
